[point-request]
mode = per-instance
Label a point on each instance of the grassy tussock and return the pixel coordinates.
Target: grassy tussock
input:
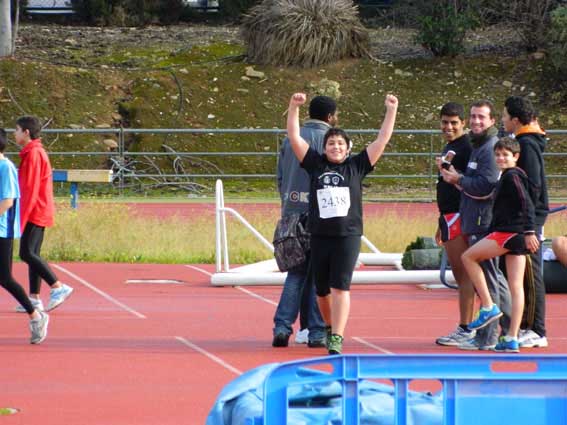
(113, 233)
(303, 33)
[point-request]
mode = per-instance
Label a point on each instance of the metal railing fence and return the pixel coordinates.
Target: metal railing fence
(190, 158)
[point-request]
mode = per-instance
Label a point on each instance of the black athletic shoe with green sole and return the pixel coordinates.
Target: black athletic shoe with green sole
(335, 344)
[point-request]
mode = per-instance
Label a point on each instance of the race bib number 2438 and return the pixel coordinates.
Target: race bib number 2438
(333, 202)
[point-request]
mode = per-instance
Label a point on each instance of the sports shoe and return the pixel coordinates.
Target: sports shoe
(280, 340)
(485, 316)
(328, 333)
(38, 328)
(302, 336)
(530, 339)
(335, 344)
(317, 343)
(36, 302)
(473, 345)
(506, 345)
(457, 337)
(58, 295)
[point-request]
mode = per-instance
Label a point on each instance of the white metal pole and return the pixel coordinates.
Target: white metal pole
(224, 234)
(260, 237)
(370, 244)
(218, 252)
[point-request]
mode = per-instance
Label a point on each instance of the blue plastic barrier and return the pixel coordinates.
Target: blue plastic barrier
(477, 389)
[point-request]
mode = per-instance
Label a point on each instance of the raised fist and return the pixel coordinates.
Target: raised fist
(298, 99)
(391, 101)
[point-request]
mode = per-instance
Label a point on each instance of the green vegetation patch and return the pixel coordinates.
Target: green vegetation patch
(208, 86)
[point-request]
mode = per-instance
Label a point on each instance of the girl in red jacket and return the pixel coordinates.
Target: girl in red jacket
(36, 211)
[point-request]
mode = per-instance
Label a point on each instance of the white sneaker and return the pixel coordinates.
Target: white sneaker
(530, 339)
(473, 345)
(302, 336)
(58, 295)
(36, 302)
(38, 328)
(459, 336)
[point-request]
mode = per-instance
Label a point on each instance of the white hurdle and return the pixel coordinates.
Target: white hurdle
(267, 273)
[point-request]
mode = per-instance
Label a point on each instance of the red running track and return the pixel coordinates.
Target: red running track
(192, 209)
(122, 353)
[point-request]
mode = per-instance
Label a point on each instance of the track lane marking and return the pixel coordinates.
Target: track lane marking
(369, 344)
(240, 288)
(100, 292)
(254, 295)
(211, 356)
(199, 269)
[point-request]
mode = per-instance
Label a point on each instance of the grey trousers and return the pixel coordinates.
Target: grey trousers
(500, 293)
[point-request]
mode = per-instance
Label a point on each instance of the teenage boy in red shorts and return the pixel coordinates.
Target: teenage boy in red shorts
(37, 211)
(449, 233)
(513, 235)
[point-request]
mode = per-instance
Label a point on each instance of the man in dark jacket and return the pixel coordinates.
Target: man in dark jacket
(294, 184)
(519, 117)
(477, 185)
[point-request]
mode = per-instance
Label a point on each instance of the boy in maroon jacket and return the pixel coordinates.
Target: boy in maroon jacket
(37, 211)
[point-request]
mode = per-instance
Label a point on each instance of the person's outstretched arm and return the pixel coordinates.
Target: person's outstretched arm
(376, 148)
(298, 144)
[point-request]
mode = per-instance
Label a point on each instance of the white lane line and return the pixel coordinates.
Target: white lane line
(246, 291)
(199, 269)
(99, 292)
(254, 295)
(209, 355)
(156, 281)
(369, 344)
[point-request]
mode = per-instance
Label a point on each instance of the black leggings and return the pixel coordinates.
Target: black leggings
(7, 280)
(30, 246)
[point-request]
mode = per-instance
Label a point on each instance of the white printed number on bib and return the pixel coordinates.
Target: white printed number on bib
(333, 202)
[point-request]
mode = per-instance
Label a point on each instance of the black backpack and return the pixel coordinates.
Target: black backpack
(291, 241)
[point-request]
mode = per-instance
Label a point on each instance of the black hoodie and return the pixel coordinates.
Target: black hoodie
(513, 210)
(532, 145)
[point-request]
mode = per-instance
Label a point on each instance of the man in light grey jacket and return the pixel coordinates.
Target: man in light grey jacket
(477, 186)
(293, 185)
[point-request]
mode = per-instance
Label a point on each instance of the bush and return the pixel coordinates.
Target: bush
(530, 18)
(235, 8)
(303, 33)
(129, 12)
(422, 254)
(557, 58)
(442, 27)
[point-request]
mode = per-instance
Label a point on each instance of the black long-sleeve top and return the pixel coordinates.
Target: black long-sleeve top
(513, 209)
(532, 145)
(448, 196)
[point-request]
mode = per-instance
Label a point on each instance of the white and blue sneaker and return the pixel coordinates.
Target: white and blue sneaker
(507, 345)
(38, 328)
(474, 345)
(36, 302)
(58, 295)
(530, 339)
(485, 317)
(456, 338)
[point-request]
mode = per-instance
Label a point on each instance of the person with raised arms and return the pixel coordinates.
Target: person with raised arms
(335, 211)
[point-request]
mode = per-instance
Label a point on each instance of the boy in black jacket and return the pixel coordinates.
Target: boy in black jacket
(519, 117)
(513, 235)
